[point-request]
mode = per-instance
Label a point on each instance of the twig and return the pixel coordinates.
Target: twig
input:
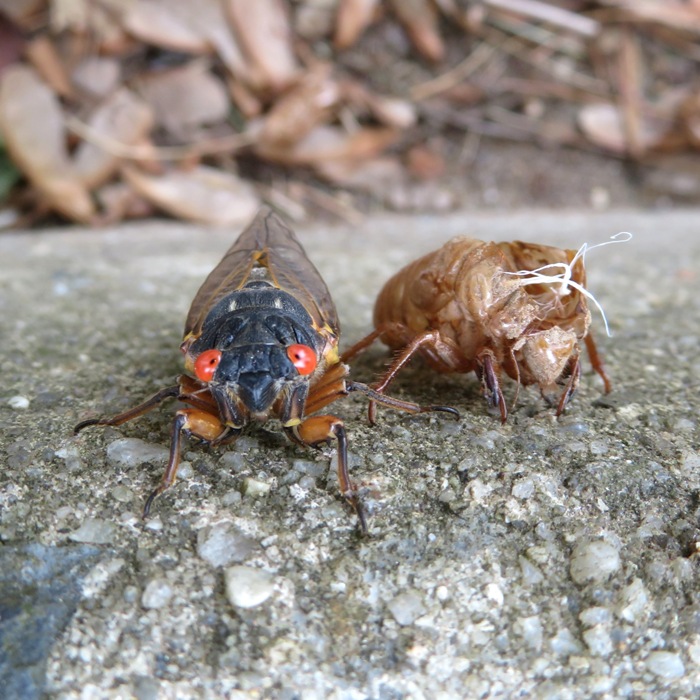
(333, 204)
(278, 199)
(225, 144)
(455, 75)
(521, 51)
(629, 86)
(543, 89)
(551, 14)
(673, 15)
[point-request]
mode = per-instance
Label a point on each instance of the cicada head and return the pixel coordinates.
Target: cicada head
(544, 356)
(258, 363)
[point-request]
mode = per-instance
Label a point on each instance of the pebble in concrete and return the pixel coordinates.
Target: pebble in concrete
(247, 587)
(157, 594)
(222, 544)
(94, 531)
(594, 561)
(407, 607)
(598, 640)
(634, 600)
(665, 664)
(18, 402)
(255, 488)
(131, 452)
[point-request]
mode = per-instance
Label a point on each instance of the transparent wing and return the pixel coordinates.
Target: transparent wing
(267, 242)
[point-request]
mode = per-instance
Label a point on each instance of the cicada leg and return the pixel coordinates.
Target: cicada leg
(201, 421)
(187, 390)
(360, 346)
(574, 370)
(597, 362)
(328, 389)
(190, 422)
(423, 342)
(488, 370)
(317, 430)
(163, 395)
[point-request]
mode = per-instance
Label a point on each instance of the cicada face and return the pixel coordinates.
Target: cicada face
(258, 352)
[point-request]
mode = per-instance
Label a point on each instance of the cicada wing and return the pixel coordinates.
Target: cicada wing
(293, 272)
(267, 242)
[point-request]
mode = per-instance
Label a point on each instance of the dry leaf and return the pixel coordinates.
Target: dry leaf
(22, 12)
(329, 143)
(603, 124)
(310, 103)
(203, 194)
(425, 163)
(185, 98)
(420, 19)
(375, 175)
(122, 119)
(96, 76)
(11, 42)
(210, 18)
(676, 15)
(248, 104)
(164, 23)
(391, 111)
(42, 54)
(107, 36)
(314, 22)
(120, 201)
(690, 117)
(262, 29)
(32, 125)
(187, 26)
(354, 16)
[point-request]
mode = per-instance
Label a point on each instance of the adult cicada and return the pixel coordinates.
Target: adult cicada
(511, 308)
(261, 341)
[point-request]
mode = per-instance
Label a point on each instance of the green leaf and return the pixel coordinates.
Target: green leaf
(8, 173)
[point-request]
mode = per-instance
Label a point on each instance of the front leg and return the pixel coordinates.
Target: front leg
(191, 422)
(429, 344)
(317, 430)
(488, 371)
(574, 375)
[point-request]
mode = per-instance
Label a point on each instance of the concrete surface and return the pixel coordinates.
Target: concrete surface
(540, 559)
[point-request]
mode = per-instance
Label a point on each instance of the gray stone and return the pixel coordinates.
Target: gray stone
(132, 452)
(94, 531)
(39, 594)
(247, 587)
(406, 607)
(594, 561)
(223, 544)
(665, 664)
(156, 594)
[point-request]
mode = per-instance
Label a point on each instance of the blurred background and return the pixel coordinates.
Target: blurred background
(116, 109)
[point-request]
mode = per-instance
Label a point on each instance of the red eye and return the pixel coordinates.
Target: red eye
(303, 358)
(205, 365)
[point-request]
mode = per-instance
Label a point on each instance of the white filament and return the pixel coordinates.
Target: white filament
(563, 278)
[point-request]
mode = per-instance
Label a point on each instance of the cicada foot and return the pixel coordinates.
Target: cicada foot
(317, 430)
(429, 344)
(488, 370)
(377, 397)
